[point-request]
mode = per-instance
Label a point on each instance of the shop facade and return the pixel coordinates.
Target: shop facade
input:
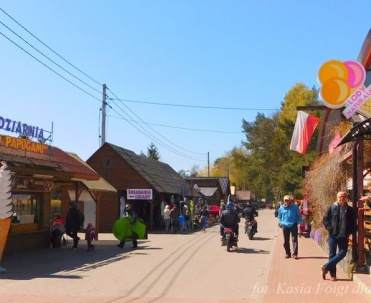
(41, 176)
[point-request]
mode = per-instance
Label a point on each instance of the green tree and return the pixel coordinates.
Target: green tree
(267, 165)
(152, 152)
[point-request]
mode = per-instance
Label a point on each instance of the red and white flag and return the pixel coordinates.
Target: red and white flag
(305, 126)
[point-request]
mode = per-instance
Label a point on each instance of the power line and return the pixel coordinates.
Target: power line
(50, 67)
(147, 134)
(151, 136)
(49, 47)
(163, 144)
(49, 58)
(199, 106)
(144, 131)
(184, 128)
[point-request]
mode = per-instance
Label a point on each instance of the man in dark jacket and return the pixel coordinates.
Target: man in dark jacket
(339, 220)
(174, 215)
(229, 218)
(74, 223)
(249, 213)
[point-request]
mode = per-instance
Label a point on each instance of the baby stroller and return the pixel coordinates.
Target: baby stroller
(57, 231)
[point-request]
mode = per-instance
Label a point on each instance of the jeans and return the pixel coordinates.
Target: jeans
(167, 224)
(293, 230)
(335, 258)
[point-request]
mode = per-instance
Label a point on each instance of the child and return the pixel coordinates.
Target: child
(90, 235)
(181, 222)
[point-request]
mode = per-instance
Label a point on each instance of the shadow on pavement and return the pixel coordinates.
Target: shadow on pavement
(244, 250)
(63, 262)
(261, 239)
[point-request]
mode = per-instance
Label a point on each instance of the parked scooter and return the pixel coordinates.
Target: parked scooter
(230, 239)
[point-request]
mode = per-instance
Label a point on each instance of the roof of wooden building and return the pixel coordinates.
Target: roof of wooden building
(160, 175)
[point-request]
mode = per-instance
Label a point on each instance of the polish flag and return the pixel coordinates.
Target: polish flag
(303, 131)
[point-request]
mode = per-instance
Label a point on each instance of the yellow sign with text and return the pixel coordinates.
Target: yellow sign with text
(23, 144)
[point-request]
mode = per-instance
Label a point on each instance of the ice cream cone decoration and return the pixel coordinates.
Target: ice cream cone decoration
(6, 206)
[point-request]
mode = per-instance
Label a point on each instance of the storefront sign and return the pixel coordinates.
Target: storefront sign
(23, 144)
(22, 129)
(139, 194)
(32, 184)
(342, 85)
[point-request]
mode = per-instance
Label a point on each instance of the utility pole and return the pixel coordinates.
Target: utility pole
(208, 164)
(104, 113)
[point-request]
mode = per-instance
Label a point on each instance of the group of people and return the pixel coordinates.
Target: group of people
(74, 224)
(339, 221)
(229, 218)
(71, 226)
(179, 218)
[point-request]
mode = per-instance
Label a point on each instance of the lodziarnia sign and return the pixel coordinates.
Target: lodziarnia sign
(22, 129)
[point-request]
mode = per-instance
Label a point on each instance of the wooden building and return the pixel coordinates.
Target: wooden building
(127, 171)
(213, 189)
(41, 176)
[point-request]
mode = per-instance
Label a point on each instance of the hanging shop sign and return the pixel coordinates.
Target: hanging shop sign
(139, 194)
(32, 184)
(22, 129)
(23, 144)
(342, 85)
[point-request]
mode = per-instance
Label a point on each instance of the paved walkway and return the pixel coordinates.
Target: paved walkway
(300, 280)
(287, 280)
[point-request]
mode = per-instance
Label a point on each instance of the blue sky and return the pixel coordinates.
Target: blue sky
(161, 55)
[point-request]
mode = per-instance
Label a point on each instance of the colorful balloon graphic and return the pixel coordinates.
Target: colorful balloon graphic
(356, 73)
(339, 80)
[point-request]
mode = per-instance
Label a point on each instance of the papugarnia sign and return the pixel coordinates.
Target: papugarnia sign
(139, 194)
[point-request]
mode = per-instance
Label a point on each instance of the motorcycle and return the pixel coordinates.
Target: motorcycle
(230, 239)
(250, 228)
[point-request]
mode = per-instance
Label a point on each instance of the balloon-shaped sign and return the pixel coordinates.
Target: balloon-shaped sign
(342, 85)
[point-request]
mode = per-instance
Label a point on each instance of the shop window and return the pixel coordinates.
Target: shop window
(107, 163)
(56, 204)
(26, 208)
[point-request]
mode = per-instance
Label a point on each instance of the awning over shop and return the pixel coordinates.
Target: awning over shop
(90, 189)
(360, 131)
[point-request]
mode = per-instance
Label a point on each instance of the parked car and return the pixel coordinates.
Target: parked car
(213, 210)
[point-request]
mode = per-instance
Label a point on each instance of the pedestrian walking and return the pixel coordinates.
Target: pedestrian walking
(90, 236)
(132, 215)
(339, 221)
(174, 215)
(187, 218)
(167, 218)
(204, 214)
(74, 223)
(289, 217)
